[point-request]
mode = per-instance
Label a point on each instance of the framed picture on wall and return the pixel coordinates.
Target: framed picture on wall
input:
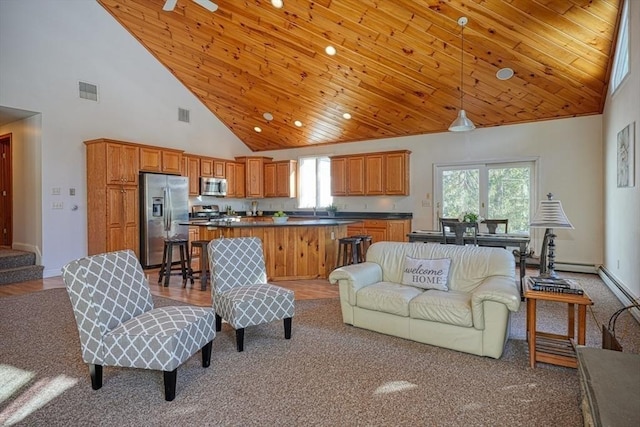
(626, 156)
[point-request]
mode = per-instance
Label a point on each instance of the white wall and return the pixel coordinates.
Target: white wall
(622, 205)
(46, 47)
(569, 153)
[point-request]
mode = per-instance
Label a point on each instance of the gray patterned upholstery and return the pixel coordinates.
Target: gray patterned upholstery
(117, 323)
(240, 292)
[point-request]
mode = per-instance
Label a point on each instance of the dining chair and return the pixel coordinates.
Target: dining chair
(239, 290)
(459, 229)
(492, 225)
(119, 326)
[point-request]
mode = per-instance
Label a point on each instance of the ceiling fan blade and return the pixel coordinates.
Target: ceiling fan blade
(169, 5)
(207, 4)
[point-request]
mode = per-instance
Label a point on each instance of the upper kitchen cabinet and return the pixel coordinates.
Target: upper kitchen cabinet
(338, 176)
(212, 167)
(192, 171)
(254, 175)
(371, 174)
(164, 160)
(235, 179)
(396, 171)
(280, 179)
(112, 162)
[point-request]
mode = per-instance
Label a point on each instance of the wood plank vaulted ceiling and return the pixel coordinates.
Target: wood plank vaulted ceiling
(397, 69)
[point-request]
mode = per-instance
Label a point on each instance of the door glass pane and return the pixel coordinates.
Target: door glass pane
(509, 196)
(460, 192)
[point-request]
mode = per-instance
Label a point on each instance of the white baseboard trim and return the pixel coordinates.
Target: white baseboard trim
(620, 291)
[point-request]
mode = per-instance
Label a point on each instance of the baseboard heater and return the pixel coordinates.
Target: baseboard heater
(576, 267)
(620, 291)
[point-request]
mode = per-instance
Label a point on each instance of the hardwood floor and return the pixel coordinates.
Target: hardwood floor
(303, 289)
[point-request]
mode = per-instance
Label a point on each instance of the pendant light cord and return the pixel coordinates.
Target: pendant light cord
(461, 66)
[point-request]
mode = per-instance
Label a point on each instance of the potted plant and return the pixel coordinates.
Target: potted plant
(332, 209)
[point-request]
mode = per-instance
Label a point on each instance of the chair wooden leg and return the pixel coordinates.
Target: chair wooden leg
(206, 354)
(287, 328)
(218, 323)
(170, 378)
(95, 371)
(240, 339)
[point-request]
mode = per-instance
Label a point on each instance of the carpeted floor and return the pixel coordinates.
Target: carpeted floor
(327, 374)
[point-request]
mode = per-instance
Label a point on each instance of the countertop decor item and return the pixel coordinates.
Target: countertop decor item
(280, 217)
(332, 209)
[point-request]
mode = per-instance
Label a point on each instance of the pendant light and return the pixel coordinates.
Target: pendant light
(462, 123)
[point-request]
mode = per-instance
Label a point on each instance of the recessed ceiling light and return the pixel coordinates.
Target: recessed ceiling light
(277, 4)
(504, 73)
(346, 116)
(268, 116)
(298, 123)
(330, 50)
(257, 129)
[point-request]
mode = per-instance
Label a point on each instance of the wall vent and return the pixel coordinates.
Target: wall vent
(88, 91)
(183, 115)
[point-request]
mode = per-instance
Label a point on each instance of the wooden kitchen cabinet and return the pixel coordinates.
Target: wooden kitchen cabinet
(122, 218)
(235, 174)
(374, 167)
(371, 174)
(396, 172)
(338, 176)
(280, 179)
(213, 167)
(112, 196)
(206, 167)
(153, 159)
(192, 171)
(118, 161)
(355, 176)
(382, 230)
(254, 175)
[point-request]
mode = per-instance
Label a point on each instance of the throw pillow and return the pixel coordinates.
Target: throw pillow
(426, 273)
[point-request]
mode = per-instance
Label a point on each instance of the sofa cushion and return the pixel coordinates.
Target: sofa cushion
(470, 265)
(387, 297)
(453, 307)
(426, 273)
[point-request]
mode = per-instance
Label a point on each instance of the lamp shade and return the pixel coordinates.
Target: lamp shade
(462, 123)
(550, 215)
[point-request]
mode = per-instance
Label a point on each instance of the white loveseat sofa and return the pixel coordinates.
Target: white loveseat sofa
(471, 316)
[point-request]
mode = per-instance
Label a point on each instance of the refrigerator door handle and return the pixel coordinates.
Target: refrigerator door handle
(168, 209)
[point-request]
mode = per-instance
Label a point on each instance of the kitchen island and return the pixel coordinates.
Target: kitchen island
(297, 249)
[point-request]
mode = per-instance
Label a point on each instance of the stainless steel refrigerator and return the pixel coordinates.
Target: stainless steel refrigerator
(164, 204)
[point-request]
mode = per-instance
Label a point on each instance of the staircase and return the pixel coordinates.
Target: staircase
(18, 266)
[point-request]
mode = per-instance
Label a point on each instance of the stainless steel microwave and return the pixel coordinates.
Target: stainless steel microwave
(213, 186)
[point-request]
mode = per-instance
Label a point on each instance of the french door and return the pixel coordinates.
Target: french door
(493, 190)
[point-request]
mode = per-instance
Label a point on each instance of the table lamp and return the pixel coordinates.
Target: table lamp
(549, 216)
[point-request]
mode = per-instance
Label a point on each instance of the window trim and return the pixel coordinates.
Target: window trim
(622, 42)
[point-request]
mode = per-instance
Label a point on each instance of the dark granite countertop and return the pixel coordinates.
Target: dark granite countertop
(348, 215)
(248, 222)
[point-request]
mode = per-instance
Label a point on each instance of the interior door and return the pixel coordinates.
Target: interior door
(6, 194)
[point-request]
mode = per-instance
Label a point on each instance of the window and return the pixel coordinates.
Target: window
(621, 60)
(314, 182)
(493, 190)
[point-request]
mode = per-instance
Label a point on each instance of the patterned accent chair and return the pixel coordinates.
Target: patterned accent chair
(118, 325)
(239, 288)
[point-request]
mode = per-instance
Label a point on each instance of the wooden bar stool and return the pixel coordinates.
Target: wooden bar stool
(348, 251)
(365, 242)
(166, 267)
(201, 245)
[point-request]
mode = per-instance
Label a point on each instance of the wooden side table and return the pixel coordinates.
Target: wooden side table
(554, 348)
